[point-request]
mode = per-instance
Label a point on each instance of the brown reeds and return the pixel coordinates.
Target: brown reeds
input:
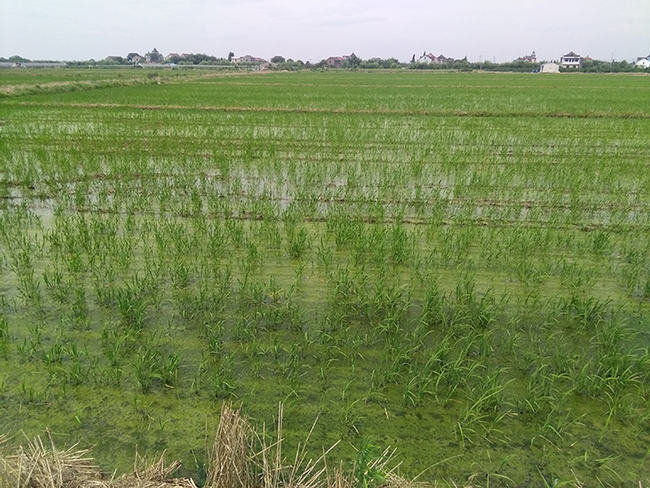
(228, 459)
(152, 475)
(240, 457)
(302, 473)
(40, 465)
(44, 466)
(4, 479)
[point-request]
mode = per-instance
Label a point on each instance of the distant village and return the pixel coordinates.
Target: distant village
(154, 59)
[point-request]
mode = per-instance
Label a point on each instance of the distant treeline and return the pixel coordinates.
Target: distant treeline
(596, 66)
(589, 66)
(354, 62)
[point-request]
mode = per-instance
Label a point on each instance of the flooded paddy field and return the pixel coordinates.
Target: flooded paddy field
(453, 264)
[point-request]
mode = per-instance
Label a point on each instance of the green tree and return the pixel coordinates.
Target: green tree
(18, 59)
(154, 56)
(353, 61)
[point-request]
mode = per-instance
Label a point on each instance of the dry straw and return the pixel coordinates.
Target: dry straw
(228, 461)
(43, 466)
(152, 475)
(240, 457)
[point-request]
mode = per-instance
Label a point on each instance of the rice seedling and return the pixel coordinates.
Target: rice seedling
(132, 304)
(369, 465)
(223, 385)
(482, 410)
(4, 337)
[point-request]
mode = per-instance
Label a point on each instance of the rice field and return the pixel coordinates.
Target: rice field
(456, 265)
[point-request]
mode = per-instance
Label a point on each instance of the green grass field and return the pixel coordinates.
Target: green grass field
(453, 264)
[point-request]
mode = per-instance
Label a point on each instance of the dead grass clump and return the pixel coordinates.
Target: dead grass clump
(229, 458)
(152, 475)
(4, 476)
(243, 457)
(240, 457)
(270, 465)
(339, 478)
(41, 466)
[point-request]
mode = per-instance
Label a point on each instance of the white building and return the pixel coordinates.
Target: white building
(431, 59)
(530, 58)
(427, 58)
(248, 59)
(643, 62)
(571, 60)
(549, 68)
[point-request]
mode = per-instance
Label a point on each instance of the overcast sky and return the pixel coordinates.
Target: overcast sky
(311, 30)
